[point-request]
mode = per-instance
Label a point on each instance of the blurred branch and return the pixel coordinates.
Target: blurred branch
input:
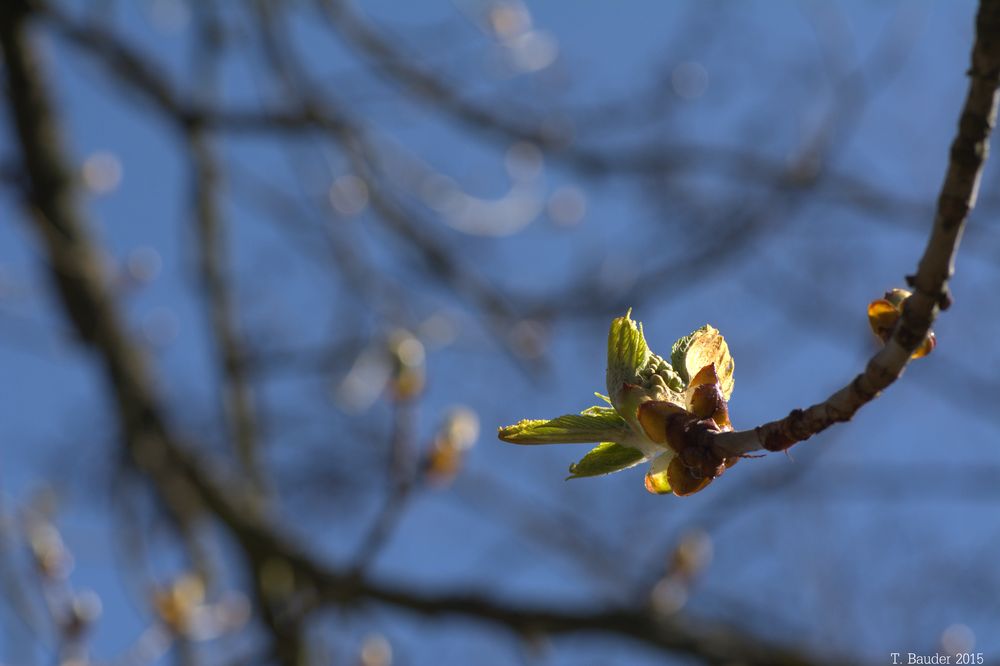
(146, 77)
(186, 485)
(238, 402)
(402, 480)
(308, 114)
(657, 159)
(931, 294)
(714, 644)
(531, 519)
(32, 627)
(439, 261)
(426, 86)
(211, 232)
(10, 175)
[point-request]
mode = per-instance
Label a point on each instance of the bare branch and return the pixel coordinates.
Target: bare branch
(931, 293)
(212, 263)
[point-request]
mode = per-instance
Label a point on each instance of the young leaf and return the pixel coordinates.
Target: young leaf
(606, 458)
(704, 347)
(656, 478)
(599, 410)
(679, 350)
(568, 429)
(627, 354)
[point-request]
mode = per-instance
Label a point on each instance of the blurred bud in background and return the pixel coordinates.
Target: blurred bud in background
(689, 80)
(176, 603)
(525, 48)
(102, 172)
(566, 206)
(529, 338)
(184, 610)
(457, 434)
(396, 363)
(408, 370)
(957, 638)
(349, 195)
(142, 266)
(52, 559)
(689, 559)
(84, 609)
(375, 651)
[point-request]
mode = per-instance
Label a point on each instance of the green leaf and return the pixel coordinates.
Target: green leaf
(679, 351)
(627, 353)
(704, 347)
(606, 458)
(568, 429)
(599, 410)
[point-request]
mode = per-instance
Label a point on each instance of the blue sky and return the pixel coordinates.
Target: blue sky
(885, 538)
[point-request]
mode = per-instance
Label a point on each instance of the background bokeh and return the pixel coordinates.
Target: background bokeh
(338, 230)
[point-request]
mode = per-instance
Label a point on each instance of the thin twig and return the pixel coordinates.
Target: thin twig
(930, 284)
(212, 253)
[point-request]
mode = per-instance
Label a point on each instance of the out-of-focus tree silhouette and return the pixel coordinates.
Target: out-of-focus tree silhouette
(290, 355)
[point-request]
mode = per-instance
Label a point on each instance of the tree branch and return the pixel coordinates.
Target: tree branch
(211, 231)
(931, 294)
